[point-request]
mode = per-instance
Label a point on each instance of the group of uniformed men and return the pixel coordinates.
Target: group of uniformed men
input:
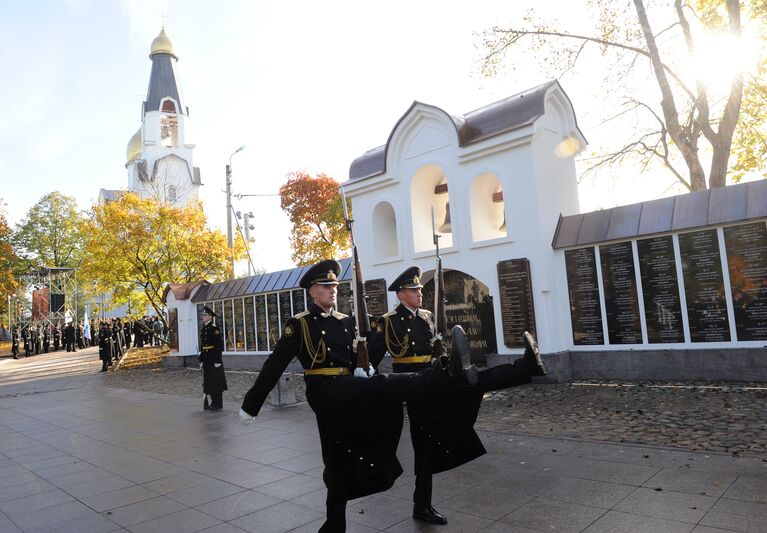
(112, 337)
(36, 338)
(115, 338)
(359, 413)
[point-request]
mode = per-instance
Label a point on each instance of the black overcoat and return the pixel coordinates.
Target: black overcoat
(359, 420)
(444, 424)
(105, 343)
(69, 333)
(211, 348)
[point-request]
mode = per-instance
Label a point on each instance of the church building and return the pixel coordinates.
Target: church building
(160, 156)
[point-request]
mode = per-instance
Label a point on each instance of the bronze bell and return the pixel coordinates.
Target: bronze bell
(503, 226)
(445, 227)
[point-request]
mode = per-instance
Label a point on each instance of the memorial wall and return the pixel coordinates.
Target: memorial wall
(713, 298)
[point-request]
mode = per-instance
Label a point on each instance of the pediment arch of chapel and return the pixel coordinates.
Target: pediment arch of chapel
(422, 130)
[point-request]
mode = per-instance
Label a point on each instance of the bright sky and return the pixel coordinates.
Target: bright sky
(304, 85)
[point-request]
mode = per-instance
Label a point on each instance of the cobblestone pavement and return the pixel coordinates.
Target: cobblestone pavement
(721, 417)
(718, 417)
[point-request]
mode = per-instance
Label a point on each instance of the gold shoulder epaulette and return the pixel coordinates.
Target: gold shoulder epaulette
(301, 314)
(339, 316)
(390, 313)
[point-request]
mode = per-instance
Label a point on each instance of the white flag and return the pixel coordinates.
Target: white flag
(87, 328)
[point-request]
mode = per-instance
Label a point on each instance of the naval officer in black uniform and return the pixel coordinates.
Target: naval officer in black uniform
(359, 414)
(441, 427)
(211, 348)
(15, 342)
(105, 346)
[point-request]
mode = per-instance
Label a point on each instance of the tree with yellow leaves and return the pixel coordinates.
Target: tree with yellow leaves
(135, 247)
(10, 264)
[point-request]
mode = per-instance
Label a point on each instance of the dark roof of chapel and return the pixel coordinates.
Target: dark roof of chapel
(494, 119)
(723, 205)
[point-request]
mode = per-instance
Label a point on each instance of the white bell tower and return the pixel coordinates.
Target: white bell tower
(159, 155)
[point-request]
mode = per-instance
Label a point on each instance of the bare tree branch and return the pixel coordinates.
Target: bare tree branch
(518, 34)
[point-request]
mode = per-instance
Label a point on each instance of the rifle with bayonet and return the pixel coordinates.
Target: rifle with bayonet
(361, 317)
(440, 313)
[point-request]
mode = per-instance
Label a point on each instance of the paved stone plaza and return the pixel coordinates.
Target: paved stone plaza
(91, 452)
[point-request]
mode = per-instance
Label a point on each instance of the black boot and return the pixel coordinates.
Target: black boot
(460, 367)
(216, 401)
(428, 514)
(533, 362)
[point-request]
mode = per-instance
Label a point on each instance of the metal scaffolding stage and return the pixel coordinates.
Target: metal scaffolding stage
(54, 297)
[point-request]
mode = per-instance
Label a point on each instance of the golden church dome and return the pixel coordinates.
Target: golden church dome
(162, 45)
(134, 147)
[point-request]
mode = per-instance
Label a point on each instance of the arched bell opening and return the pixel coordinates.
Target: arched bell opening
(384, 224)
(429, 194)
(488, 213)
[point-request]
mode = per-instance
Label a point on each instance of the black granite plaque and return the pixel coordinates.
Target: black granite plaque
(516, 293)
(469, 304)
(704, 286)
(375, 290)
(274, 318)
(286, 311)
(173, 329)
(620, 290)
(261, 330)
(299, 300)
(585, 307)
(747, 262)
(660, 289)
(344, 298)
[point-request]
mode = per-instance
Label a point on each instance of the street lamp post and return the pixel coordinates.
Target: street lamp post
(229, 212)
(248, 239)
(248, 227)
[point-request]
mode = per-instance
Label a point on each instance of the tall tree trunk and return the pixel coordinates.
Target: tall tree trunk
(723, 141)
(686, 146)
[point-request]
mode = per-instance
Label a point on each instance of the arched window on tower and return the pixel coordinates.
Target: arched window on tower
(168, 124)
(385, 231)
(488, 218)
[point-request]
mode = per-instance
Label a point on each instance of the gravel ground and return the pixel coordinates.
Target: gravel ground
(721, 417)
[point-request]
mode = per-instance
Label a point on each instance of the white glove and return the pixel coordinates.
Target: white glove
(200, 366)
(245, 418)
(216, 365)
(360, 373)
(356, 341)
